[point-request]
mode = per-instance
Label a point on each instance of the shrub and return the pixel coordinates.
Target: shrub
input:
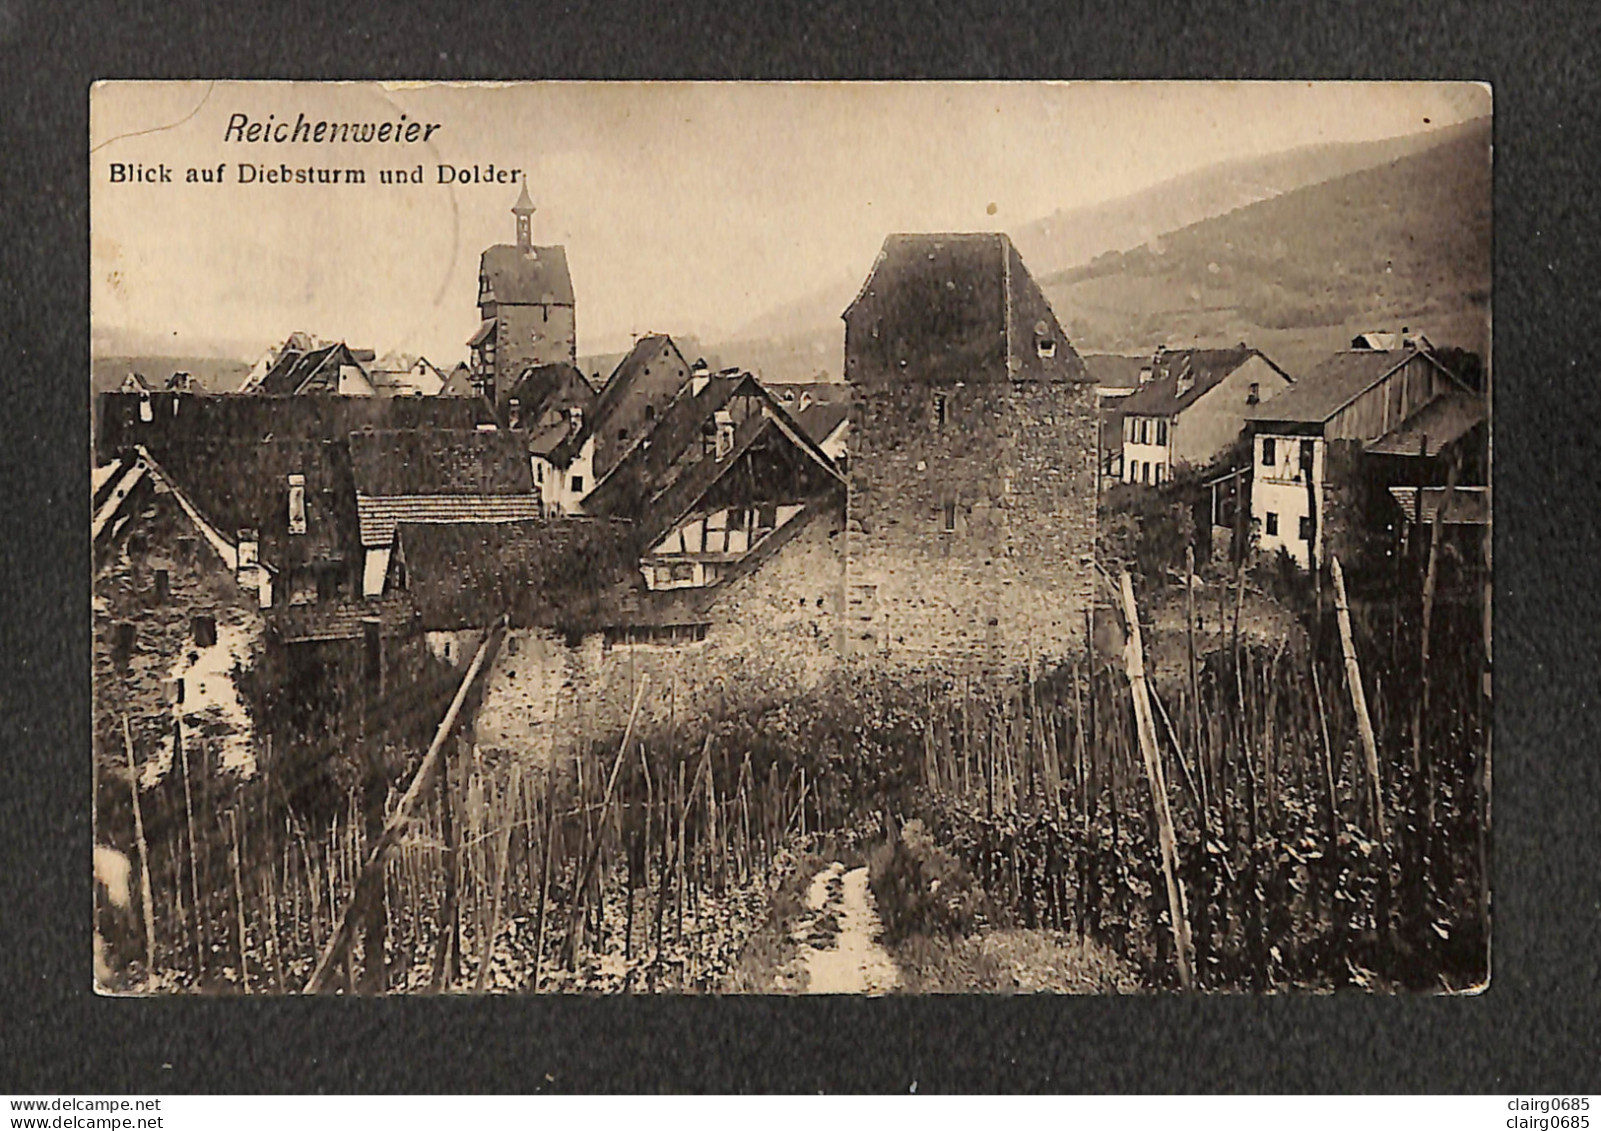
(921, 889)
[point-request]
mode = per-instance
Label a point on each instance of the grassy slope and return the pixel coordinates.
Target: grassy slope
(1406, 243)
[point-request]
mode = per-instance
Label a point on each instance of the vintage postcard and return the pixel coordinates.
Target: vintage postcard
(790, 538)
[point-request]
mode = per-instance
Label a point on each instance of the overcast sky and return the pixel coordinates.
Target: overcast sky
(686, 208)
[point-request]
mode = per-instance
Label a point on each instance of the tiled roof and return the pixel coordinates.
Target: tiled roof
(529, 275)
(1114, 371)
(345, 620)
(558, 573)
(1470, 506)
(439, 461)
(820, 420)
(1205, 369)
(1330, 384)
(379, 516)
(1442, 421)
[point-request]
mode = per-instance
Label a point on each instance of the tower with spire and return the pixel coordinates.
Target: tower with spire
(525, 309)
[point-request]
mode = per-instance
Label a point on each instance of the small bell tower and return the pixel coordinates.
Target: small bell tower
(524, 211)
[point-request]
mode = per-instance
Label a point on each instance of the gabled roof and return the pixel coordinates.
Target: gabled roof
(297, 372)
(1334, 382)
(378, 517)
(1442, 421)
(126, 474)
(629, 372)
(819, 421)
(439, 461)
(543, 387)
(1205, 369)
(525, 276)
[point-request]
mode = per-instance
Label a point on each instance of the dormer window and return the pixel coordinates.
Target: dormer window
(725, 439)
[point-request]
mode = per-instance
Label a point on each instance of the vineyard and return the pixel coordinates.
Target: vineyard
(1241, 820)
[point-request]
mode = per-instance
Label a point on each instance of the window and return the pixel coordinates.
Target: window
(577, 484)
(708, 438)
(1157, 475)
(650, 412)
(513, 645)
(1272, 523)
(939, 410)
(1161, 432)
(1268, 451)
(1147, 472)
(297, 504)
(1306, 528)
(949, 517)
(725, 440)
(622, 435)
(1046, 347)
(204, 628)
(163, 585)
(1145, 431)
(1255, 395)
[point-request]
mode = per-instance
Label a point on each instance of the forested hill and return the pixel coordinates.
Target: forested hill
(1406, 243)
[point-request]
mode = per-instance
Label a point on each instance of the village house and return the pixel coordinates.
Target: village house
(332, 368)
(459, 383)
(1358, 422)
(177, 626)
(400, 376)
(1190, 407)
(1116, 377)
(714, 560)
(434, 476)
(526, 307)
(822, 409)
(972, 504)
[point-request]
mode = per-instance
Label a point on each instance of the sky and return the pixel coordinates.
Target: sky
(687, 208)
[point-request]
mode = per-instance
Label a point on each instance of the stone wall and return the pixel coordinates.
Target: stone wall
(771, 634)
(971, 538)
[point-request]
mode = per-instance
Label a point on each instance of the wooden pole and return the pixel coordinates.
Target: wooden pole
(194, 852)
(487, 946)
(239, 901)
(1359, 702)
(144, 856)
(372, 871)
(1134, 661)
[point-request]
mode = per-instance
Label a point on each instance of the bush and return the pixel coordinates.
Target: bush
(920, 888)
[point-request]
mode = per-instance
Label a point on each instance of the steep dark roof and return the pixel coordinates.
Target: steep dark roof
(818, 421)
(629, 372)
(1331, 384)
(527, 275)
(564, 573)
(950, 303)
(440, 462)
(1160, 395)
(544, 387)
(297, 372)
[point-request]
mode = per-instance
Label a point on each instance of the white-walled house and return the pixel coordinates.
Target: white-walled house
(1365, 396)
(1192, 408)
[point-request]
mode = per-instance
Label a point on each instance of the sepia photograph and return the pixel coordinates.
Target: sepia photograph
(790, 538)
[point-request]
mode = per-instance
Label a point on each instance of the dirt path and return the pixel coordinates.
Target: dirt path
(839, 948)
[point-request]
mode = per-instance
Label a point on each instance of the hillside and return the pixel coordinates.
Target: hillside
(1072, 237)
(1407, 243)
(796, 339)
